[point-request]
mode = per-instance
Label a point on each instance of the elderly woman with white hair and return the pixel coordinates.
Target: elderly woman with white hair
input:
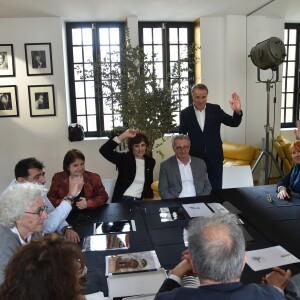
(22, 216)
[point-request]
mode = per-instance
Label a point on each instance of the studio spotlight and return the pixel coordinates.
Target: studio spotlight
(268, 54)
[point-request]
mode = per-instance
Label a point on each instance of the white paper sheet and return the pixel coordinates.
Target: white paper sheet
(95, 296)
(197, 210)
(218, 208)
(270, 257)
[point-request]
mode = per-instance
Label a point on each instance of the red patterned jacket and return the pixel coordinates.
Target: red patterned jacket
(94, 191)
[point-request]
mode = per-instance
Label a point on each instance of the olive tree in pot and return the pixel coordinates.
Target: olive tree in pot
(141, 100)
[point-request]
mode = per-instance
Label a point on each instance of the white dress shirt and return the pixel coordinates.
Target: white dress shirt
(200, 115)
(187, 180)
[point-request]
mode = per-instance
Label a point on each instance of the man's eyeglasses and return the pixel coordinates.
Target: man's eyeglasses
(178, 148)
(39, 212)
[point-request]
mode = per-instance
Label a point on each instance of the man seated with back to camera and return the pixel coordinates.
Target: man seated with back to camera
(32, 170)
(183, 175)
(217, 256)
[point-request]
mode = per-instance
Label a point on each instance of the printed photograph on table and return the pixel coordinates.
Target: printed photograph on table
(38, 59)
(116, 226)
(9, 101)
(7, 64)
(132, 262)
(106, 242)
(41, 100)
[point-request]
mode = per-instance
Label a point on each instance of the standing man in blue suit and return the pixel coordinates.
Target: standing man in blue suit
(202, 122)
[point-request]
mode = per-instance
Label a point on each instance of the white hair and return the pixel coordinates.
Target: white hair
(14, 200)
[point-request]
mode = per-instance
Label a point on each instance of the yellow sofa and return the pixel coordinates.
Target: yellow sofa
(234, 155)
(283, 154)
(239, 154)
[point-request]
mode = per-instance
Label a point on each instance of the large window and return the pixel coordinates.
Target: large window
(290, 77)
(88, 43)
(169, 42)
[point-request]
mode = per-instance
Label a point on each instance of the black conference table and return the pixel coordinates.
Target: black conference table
(269, 224)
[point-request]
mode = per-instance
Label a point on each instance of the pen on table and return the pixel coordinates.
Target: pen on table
(269, 198)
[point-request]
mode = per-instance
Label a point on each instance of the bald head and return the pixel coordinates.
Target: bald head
(217, 248)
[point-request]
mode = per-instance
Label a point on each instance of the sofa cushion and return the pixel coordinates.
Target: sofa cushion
(282, 147)
(239, 154)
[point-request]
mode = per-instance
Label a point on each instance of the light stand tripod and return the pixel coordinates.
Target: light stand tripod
(267, 153)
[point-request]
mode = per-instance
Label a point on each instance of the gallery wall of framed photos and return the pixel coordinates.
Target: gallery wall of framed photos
(41, 98)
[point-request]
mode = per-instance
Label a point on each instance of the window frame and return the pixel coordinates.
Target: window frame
(284, 92)
(166, 49)
(95, 26)
(99, 113)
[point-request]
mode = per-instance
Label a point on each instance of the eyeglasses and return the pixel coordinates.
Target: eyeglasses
(39, 212)
(178, 148)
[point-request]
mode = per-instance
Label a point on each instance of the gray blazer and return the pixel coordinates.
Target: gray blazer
(9, 245)
(170, 186)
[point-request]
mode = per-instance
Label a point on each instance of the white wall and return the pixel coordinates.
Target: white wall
(43, 137)
(223, 62)
(258, 30)
(225, 45)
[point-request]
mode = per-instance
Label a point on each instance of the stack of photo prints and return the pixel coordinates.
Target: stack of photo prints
(109, 236)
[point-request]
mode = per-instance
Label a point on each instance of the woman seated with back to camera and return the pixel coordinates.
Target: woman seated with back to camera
(50, 268)
(291, 181)
(135, 167)
(83, 188)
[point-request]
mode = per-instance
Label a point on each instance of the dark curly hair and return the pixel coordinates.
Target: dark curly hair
(139, 137)
(44, 269)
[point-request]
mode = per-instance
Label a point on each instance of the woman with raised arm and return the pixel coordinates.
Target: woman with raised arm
(135, 167)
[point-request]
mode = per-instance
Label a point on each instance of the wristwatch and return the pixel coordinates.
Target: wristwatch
(70, 198)
(65, 228)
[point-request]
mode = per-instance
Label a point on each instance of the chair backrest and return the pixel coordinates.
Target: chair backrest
(237, 176)
(109, 185)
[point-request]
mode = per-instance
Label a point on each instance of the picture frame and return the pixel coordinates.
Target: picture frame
(7, 60)
(41, 100)
(9, 106)
(38, 59)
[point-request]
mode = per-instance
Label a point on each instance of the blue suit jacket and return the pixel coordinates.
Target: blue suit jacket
(171, 290)
(207, 143)
(170, 186)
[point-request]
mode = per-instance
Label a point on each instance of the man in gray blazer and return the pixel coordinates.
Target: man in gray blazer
(182, 175)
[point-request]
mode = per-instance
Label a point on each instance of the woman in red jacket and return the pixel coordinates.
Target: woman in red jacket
(83, 188)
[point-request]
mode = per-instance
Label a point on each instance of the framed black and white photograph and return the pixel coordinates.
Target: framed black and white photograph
(38, 59)
(7, 63)
(9, 101)
(41, 100)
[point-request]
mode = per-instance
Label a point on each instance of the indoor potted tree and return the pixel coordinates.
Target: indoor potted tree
(130, 84)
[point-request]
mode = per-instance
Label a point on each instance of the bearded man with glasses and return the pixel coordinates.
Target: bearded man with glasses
(182, 175)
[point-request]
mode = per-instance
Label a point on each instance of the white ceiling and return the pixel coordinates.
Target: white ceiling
(147, 10)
